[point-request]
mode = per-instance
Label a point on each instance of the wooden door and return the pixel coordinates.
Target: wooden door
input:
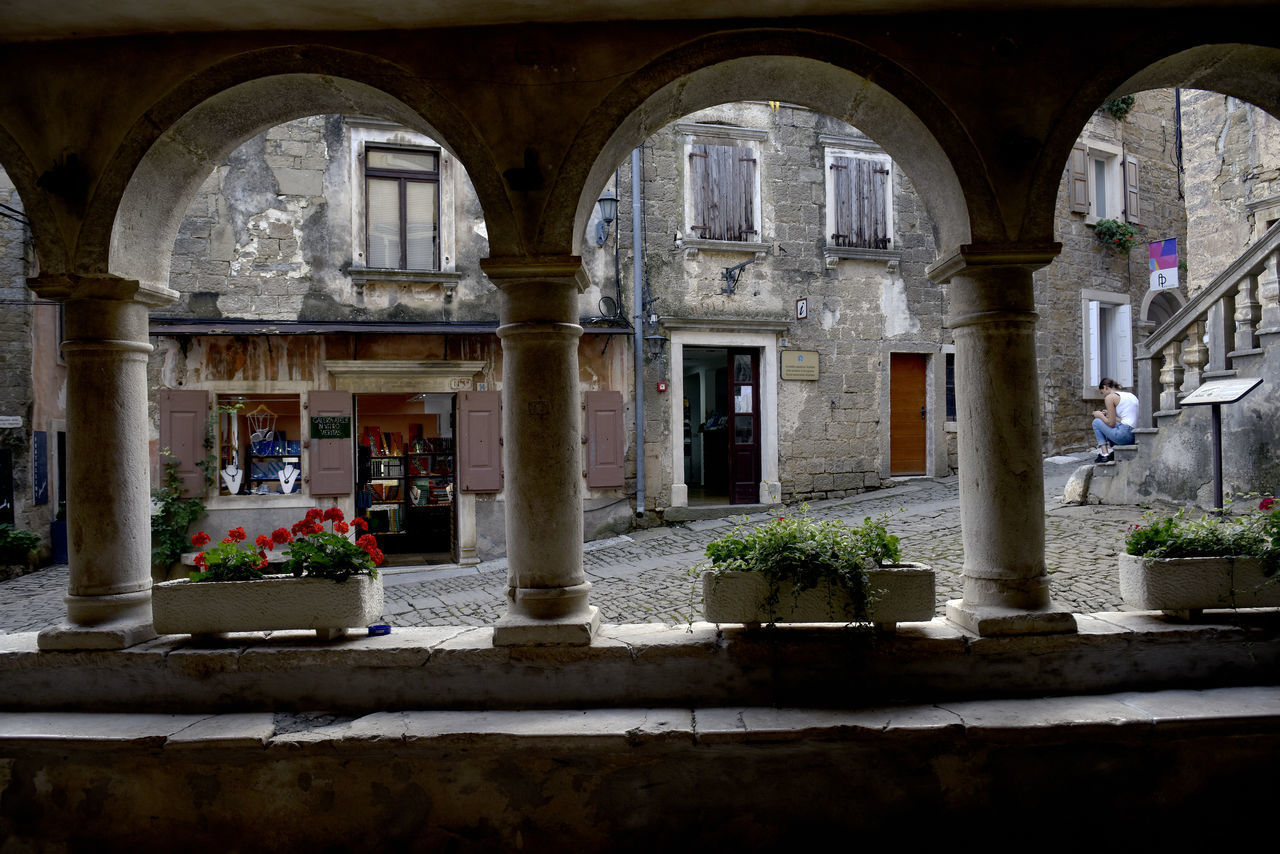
(744, 427)
(908, 413)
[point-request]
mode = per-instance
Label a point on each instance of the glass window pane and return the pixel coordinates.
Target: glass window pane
(744, 430)
(1100, 189)
(420, 231)
(390, 159)
(384, 223)
(742, 368)
(742, 399)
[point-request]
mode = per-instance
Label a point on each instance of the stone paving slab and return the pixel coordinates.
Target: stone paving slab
(645, 577)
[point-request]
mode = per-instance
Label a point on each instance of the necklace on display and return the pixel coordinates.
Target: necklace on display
(232, 476)
(288, 478)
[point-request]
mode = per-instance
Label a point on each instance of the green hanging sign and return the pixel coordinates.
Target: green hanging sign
(331, 427)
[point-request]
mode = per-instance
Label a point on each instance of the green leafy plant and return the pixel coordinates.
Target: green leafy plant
(1115, 234)
(1255, 533)
(15, 544)
(807, 554)
(1118, 108)
(171, 516)
(312, 552)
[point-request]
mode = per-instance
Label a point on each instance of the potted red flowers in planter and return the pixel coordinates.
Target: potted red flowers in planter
(330, 581)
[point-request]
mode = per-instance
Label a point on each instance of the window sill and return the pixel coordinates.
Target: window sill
(835, 254)
(693, 245)
(447, 280)
(297, 499)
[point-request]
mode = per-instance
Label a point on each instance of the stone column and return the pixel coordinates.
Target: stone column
(1006, 588)
(547, 590)
(108, 465)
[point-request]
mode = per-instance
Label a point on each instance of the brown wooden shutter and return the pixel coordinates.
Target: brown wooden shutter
(699, 188)
(1077, 166)
(331, 460)
(1132, 202)
(722, 181)
(479, 441)
(742, 222)
(606, 448)
(184, 414)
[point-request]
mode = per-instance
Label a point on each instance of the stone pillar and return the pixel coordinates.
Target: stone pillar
(1006, 588)
(1195, 355)
(108, 465)
(1269, 296)
(547, 590)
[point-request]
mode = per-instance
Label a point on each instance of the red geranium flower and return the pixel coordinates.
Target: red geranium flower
(200, 560)
(314, 513)
(237, 535)
(1266, 504)
(264, 542)
(281, 536)
(333, 514)
(228, 540)
(200, 540)
(367, 542)
(360, 524)
(300, 527)
(341, 527)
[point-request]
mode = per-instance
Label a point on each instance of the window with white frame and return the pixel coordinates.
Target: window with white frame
(1104, 182)
(722, 183)
(859, 199)
(1108, 339)
(402, 208)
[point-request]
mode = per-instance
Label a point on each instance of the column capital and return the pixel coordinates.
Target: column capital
(973, 256)
(506, 271)
(69, 286)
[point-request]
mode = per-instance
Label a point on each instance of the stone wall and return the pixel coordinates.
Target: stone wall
(1232, 154)
(1149, 133)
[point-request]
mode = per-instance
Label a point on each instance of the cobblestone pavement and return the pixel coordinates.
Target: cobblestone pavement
(643, 577)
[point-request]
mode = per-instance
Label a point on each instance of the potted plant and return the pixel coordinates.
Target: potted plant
(17, 551)
(794, 569)
(330, 582)
(1182, 566)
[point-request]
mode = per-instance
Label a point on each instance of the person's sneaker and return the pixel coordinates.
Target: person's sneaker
(1105, 458)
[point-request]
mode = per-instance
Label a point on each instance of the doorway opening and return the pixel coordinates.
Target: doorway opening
(405, 463)
(722, 425)
(908, 413)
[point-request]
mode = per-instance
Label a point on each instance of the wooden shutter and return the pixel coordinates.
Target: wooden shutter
(1124, 346)
(606, 448)
(1093, 342)
(1077, 166)
(722, 181)
(1132, 202)
(842, 201)
(332, 460)
(184, 414)
(479, 441)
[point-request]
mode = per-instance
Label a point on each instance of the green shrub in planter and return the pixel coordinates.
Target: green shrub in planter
(15, 545)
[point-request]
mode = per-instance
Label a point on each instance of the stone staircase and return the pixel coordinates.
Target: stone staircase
(1229, 329)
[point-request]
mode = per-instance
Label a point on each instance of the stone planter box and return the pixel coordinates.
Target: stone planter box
(1184, 586)
(274, 603)
(900, 594)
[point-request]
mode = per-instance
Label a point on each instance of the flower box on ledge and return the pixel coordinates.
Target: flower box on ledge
(898, 594)
(1183, 586)
(273, 603)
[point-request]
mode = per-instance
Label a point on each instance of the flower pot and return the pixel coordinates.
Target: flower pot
(1183, 585)
(273, 603)
(898, 594)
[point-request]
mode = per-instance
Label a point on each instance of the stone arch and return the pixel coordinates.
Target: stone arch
(1159, 306)
(46, 230)
(828, 74)
(134, 217)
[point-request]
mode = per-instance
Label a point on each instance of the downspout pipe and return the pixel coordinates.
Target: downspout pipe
(637, 322)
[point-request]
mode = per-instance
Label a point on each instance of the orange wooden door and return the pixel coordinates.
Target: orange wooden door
(908, 413)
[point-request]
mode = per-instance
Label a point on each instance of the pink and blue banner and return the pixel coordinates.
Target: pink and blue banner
(1164, 263)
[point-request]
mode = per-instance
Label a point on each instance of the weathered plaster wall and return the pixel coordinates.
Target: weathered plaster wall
(1232, 154)
(1148, 132)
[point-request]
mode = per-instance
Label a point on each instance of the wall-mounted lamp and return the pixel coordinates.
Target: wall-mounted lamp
(608, 204)
(655, 344)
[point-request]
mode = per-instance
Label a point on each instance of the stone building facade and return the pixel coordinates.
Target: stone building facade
(32, 383)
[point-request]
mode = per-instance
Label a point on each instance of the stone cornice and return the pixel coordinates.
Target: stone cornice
(1032, 255)
(72, 287)
(507, 270)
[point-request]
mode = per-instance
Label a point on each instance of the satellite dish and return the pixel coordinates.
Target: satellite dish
(608, 307)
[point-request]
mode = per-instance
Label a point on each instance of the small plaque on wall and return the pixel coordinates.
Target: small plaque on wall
(799, 365)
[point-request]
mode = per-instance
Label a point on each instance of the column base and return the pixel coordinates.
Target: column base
(116, 634)
(575, 629)
(990, 620)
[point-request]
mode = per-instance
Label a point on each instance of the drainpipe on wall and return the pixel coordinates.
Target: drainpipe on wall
(637, 322)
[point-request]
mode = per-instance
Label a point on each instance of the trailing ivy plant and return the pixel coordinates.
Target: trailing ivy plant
(1115, 234)
(171, 516)
(808, 554)
(1118, 108)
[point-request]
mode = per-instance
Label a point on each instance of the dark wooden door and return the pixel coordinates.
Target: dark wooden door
(908, 413)
(744, 427)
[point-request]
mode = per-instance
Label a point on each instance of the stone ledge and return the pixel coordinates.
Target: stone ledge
(641, 665)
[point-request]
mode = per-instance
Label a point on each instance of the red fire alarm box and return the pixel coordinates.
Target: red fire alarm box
(662, 386)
